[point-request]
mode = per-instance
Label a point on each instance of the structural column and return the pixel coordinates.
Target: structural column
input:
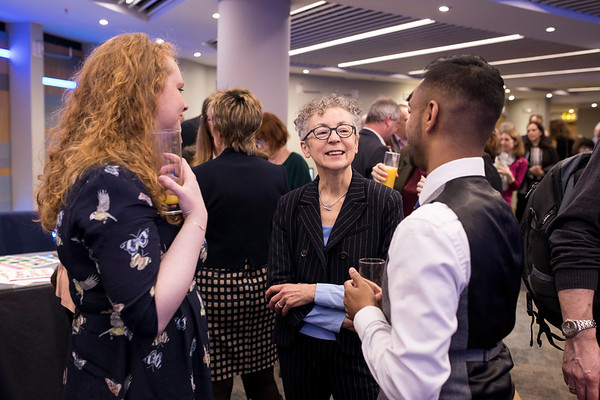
(252, 50)
(27, 115)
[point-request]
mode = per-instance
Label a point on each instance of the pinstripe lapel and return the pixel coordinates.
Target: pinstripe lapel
(310, 217)
(354, 205)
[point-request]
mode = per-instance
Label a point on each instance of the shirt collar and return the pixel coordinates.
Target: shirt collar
(378, 136)
(446, 172)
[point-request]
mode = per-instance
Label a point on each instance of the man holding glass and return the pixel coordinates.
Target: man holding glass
(380, 125)
(453, 275)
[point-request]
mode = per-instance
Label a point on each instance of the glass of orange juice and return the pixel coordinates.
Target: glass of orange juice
(167, 155)
(391, 161)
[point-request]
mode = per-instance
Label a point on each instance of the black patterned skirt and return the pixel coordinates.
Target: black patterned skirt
(240, 323)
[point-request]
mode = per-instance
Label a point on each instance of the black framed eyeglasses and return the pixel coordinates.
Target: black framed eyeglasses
(323, 132)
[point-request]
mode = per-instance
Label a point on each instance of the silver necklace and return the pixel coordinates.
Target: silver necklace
(328, 206)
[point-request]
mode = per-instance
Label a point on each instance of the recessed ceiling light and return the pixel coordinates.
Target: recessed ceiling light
(571, 110)
(483, 42)
(529, 110)
(548, 95)
(159, 41)
(550, 29)
(361, 36)
(511, 97)
(594, 105)
(197, 54)
(103, 22)
(129, 1)
(507, 90)
(216, 15)
(444, 8)
(306, 71)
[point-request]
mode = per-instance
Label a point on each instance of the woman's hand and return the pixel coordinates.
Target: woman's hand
(537, 171)
(282, 298)
(190, 197)
(505, 171)
(379, 173)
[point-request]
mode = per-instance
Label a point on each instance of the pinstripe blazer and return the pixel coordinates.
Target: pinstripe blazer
(364, 228)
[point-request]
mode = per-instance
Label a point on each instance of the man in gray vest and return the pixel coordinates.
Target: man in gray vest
(453, 274)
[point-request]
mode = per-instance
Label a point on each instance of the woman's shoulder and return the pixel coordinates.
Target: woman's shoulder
(295, 158)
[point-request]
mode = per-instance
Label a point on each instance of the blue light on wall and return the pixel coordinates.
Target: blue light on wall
(60, 83)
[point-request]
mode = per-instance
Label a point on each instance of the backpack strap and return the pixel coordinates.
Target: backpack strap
(544, 328)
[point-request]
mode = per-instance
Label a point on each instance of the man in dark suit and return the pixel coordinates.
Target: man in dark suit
(379, 126)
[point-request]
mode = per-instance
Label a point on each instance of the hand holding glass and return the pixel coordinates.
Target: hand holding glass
(371, 269)
(391, 161)
(167, 155)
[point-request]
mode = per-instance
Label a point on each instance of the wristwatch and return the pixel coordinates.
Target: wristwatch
(571, 327)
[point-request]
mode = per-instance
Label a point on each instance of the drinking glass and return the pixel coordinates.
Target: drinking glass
(535, 158)
(372, 269)
(391, 161)
(166, 144)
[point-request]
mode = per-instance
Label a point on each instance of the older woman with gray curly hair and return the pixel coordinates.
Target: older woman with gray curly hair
(319, 231)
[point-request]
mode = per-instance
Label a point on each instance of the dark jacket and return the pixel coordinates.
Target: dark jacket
(370, 152)
(240, 193)
(364, 228)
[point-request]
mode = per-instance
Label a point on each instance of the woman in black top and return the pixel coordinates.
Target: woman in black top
(244, 190)
(541, 156)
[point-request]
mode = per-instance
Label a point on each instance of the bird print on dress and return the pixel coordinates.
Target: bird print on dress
(144, 197)
(59, 219)
(87, 284)
(77, 325)
(112, 169)
(101, 213)
(135, 248)
(118, 327)
(78, 362)
(113, 386)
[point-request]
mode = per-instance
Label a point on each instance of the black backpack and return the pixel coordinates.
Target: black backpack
(545, 200)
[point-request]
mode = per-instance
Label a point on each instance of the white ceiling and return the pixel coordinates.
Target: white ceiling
(189, 24)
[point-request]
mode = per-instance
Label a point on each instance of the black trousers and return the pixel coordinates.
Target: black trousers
(315, 369)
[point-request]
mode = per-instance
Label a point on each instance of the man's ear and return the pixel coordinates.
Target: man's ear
(431, 115)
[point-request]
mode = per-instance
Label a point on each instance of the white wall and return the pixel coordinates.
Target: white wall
(519, 111)
(199, 82)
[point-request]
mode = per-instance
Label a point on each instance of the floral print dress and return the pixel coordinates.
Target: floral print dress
(110, 238)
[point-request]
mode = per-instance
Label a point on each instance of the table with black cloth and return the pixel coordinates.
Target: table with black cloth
(34, 327)
(34, 335)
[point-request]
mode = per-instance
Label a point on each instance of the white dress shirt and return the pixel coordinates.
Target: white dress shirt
(428, 268)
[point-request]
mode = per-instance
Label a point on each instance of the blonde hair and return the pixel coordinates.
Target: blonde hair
(205, 144)
(108, 118)
(236, 114)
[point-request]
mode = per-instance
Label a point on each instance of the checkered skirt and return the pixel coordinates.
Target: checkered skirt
(239, 321)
